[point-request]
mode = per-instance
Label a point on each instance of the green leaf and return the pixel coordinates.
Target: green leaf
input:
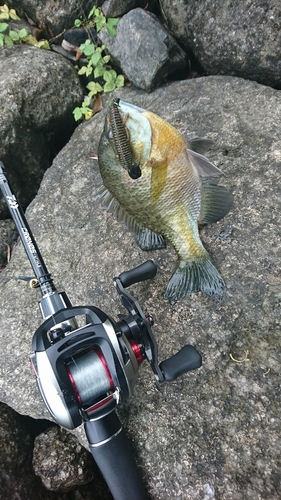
(43, 44)
(106, 59)
(120, 81)
(1, 40)
(89, 50)
(86, 103)
(100, 23)
(8, 40)
(82, 70)
(77, 23)
(96, 58)
(113, 73)
(111, 30)
(3, 27)
(94, 87)
(109, 87)
(108, 76)
(111, 25)
(84, 45)
(99, 71)
(13, 15)
(14, 36)
(113, 21)
(77, 114)
(5, 16)
(23, 33)
(92, 11)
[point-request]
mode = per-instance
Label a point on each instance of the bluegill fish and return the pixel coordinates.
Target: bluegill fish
(176, 189)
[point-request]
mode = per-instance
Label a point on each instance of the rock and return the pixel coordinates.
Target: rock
(17, 479)
(117, 8)
(60, 461)
(53, 19)
(40, 89)
(214, 431)
(8, 237)
(237, 38)
(143, 49)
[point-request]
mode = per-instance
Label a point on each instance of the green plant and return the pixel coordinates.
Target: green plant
(7, 14)
(105, 78)
(97, 19)
(21, 36)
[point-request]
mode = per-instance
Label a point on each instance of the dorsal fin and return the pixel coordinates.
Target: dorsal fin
(200, 146)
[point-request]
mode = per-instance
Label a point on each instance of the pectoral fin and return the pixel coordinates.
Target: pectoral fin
(203, 166)
(148, 240)
(216, 202)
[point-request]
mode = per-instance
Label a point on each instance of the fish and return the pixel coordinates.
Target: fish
(176, 190)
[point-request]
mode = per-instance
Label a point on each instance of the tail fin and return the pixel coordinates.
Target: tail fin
(199, 275)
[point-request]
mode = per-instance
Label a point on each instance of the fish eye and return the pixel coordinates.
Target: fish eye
(135, 171)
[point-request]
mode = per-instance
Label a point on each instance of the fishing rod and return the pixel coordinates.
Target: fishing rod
(84, 372)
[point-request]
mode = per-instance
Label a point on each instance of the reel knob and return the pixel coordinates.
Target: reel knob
(188, 358)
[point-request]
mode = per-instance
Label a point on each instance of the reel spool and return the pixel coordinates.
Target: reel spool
(90, 376)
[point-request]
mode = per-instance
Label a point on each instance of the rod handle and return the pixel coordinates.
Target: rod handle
(112, 452)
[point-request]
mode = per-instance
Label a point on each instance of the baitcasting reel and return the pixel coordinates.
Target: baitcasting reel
(86, 363)
(83, 372)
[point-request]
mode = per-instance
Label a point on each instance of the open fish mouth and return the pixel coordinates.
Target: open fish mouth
(132, 135)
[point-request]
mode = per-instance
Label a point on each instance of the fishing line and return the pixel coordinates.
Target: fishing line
(89, 376)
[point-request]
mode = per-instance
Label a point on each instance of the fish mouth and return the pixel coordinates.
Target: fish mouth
(132, 135)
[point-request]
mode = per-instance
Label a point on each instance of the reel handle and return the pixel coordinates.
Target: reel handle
(111, 450)
(188, 358)
(145, 271)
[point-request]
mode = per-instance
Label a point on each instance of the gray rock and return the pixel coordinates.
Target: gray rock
(117, 8)
(212, 432)
(53, 19)
(58, 458)
(60, 461)
(143, 49)
(231, 38)
(17, 479)
(8, 236)
(39, 90)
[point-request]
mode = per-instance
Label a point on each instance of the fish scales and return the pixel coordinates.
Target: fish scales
(170, 197)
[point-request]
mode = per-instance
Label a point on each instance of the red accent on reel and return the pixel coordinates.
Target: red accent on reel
(100, 404)
(137, 351)
(74, 385)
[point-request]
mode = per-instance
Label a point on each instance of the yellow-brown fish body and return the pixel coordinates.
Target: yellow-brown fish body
(166, 201)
